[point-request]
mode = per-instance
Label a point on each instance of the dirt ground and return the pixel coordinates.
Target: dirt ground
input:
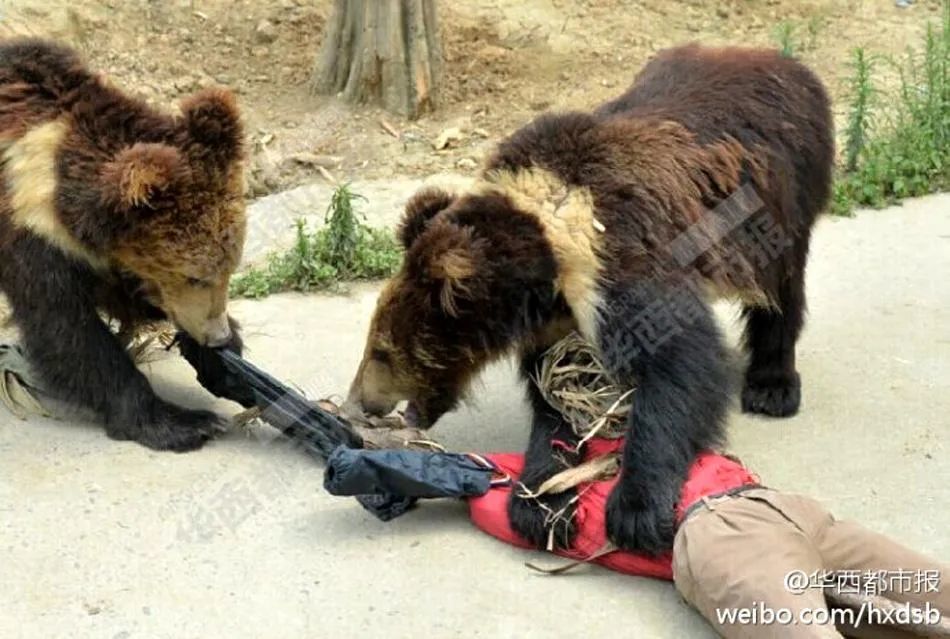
(505, 62)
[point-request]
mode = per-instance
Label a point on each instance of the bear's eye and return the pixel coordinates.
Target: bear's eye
(379, 355)
(197, 282)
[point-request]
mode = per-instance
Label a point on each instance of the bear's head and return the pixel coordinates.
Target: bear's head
(179, 204)
(476, 281)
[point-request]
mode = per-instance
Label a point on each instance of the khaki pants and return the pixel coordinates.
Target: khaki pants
(735, 552)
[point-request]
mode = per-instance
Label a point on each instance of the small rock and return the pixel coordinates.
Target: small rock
(185, 83)
(312, 159)
(260, 182)
(448, 137)
(467, 164)
(265, 32)
(492, 52)
(722, 12)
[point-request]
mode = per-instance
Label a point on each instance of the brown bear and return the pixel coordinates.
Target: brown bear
(702, 180)
(108, 206)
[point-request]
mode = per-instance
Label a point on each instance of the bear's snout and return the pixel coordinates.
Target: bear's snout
(218, 332)
(367, 403)
(374, 391)
(377, 408)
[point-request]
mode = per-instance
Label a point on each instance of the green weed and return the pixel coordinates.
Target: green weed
(343, 250)
(794, 38)
(898, 145)
(784, 34)
(861, 91)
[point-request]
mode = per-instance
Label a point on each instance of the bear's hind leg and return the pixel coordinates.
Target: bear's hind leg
(772, 384)
(552, 448)
(79, 359)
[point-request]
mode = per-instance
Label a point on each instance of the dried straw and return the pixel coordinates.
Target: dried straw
(149, 344)
(390, 431)
(572, 378)
(18, 385)
(596, 469)
(574, 381)
(21, 390)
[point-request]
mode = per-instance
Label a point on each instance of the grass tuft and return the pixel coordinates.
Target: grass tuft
(898, 146)
(795, 38)
(343, 250)
(784, 35)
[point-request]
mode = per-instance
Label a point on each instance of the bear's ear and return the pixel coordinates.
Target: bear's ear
(421, 208)
(213, 121)
(450, 258)
(141, 174)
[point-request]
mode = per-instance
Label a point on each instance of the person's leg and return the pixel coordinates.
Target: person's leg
(907, 576)
(736, 557)
(865, 631)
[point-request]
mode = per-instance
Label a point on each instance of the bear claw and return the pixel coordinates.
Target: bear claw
(532, 518)
(648, 529)
(174, 429)
(777, 399)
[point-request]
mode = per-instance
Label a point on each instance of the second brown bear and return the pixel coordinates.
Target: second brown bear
(702, 180)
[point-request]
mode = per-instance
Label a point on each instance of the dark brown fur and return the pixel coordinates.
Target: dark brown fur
(109, 205)
(596, 221)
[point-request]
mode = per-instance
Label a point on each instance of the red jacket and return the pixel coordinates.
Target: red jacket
(711, 473)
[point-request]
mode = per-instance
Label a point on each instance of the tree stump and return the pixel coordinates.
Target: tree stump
(386, 52)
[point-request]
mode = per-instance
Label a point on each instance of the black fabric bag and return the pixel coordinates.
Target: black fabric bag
(385, 482)
(410, 473)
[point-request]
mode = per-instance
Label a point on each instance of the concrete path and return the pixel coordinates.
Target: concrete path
(109, 540)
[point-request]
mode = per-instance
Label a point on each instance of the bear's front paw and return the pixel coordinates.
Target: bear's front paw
(645, 527)
(537, 518)
(173, 428)
(774, 397)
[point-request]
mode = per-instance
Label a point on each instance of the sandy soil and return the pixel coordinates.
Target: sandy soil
(505, 62)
